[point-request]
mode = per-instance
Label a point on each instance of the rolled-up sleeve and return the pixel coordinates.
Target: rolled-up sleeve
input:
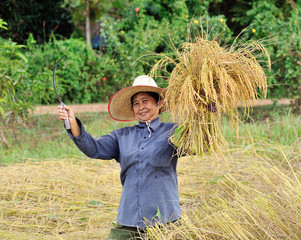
(104, 147)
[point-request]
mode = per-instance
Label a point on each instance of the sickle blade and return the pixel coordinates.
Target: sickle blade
(53, 80)
(66, 122)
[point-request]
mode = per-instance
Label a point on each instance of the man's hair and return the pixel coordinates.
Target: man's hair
(154, 95)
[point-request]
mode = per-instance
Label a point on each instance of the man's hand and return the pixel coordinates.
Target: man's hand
(75, 130)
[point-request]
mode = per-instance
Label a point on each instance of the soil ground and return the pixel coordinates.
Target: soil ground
(103, 107)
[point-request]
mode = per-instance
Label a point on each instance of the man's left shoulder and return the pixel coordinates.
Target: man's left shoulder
(168, 124)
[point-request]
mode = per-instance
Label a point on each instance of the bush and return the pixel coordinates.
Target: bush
(41, 18)
(152, 31)
(79, 77)
(15, 94)
(89, 76)
(280, 26)
(86, 76)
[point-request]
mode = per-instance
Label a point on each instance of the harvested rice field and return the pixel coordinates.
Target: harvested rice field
(256, 195)
(58, 199)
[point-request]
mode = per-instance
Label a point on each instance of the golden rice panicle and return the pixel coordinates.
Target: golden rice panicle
(208, 81)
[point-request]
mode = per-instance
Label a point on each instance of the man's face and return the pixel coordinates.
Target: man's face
(145, 107)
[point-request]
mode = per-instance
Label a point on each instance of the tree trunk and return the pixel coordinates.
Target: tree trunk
(88, 31)
(297, 101)
(2, 138)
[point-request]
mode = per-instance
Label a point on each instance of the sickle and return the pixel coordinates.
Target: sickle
(53, 80)
(66, 122)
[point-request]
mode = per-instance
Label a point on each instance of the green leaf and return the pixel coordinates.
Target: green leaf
(2, 23)
(158, 214)
(95, 203)
(2, 112)
(215, 179)
(22, 56)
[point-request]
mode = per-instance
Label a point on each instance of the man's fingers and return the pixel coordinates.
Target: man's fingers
(62, 113)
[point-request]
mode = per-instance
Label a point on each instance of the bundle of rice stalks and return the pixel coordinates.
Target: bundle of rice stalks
(208, 81)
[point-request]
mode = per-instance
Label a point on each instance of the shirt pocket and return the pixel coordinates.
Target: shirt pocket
(162, 154)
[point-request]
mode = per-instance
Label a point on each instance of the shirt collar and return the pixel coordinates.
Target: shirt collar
(153, 125)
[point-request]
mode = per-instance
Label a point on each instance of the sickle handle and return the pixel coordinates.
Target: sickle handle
(66, 122)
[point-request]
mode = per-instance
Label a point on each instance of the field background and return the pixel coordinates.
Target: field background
(49, 190)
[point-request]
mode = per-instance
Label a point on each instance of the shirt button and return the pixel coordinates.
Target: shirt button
(144, 137)
(141, 161)
(142, 148)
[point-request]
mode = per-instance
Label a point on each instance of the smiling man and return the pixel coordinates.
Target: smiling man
(146, 106)
(147, 159)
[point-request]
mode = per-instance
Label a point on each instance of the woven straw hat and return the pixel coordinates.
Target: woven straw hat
(120, 107)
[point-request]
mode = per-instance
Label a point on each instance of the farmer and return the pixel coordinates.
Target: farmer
(148, 161)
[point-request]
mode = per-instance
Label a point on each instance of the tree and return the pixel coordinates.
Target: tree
(88, 30)
(14, 90)
(41, 18)
(90, 11)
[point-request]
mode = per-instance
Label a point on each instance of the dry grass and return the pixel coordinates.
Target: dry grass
(256, 197)
(59, 199)
(207, 81)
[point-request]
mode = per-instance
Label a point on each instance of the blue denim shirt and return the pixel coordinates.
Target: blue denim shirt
(148, 170)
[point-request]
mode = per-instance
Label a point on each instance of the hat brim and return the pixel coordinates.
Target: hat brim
(120, 108)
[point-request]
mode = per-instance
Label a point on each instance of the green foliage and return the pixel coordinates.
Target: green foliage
(78, 77)
(41, 18)
(84, 76)
(149, 31)
(198, 7)
(137, 29)
(87, 76)
(278, 22)
(284, 37)
(96, 7)
(15, 92)
(2, 24)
